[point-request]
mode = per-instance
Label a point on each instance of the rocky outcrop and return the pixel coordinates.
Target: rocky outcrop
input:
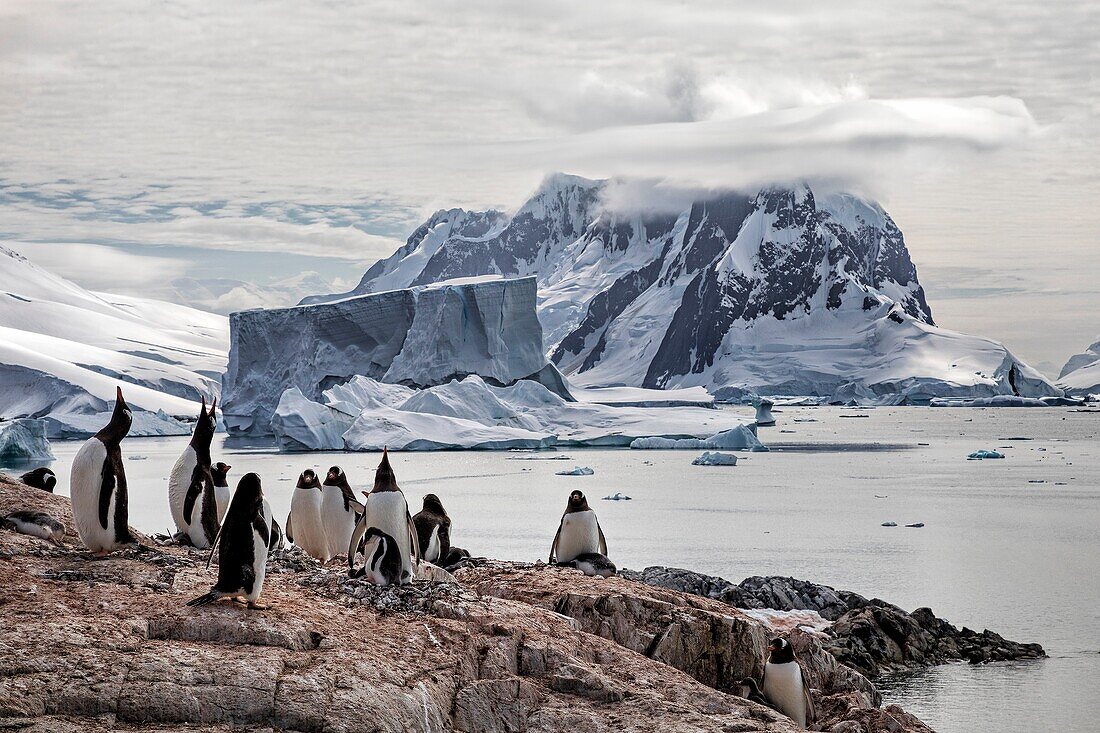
(108, 645)
(871, 636)
(417, 337)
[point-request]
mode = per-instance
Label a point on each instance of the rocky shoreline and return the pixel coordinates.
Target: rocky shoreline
(500, 646)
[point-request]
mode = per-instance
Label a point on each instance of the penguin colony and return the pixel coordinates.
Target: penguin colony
(382, 541)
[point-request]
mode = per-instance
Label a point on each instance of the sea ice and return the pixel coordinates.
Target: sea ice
(715, 459)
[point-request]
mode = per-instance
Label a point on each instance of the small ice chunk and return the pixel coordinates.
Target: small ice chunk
(981, 455)
(889, 524)
(617, 496)
(915, 525)
(577, 471)
(715, 459)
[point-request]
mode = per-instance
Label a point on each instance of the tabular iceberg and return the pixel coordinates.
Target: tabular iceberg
(417, 337)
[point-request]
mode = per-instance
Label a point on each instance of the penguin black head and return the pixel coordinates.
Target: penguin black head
(249, 496)
(384, 480)
(335, 477)
(308, 480)
(220, 472)
(121, 419)
(577, 502)
(40, 478)
(780, 651)
(206, 425)
(433, 505)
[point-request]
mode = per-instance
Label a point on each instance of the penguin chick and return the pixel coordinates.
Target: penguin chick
(591, 563)
(242, 547)
(433, 530)
(453, 557)
(40, 478)
(35, 524)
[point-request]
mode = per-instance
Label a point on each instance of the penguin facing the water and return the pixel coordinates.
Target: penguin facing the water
(386, 511)
(784, 684)
(242, 547)
(40, 478)
(579, 532)
(303, 525)
(97, 485)
(433, 529)
(191, 492)
(340, 511)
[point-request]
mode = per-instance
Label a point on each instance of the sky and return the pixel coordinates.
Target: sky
(166, 149)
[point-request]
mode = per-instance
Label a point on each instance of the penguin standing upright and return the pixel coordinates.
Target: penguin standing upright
(340, 511)
(97, 485)
(220, 473)
(387, 512)
(784, 684)
(40, 478)
(579, 532)
(303, 524)
(242, 547)
(191, 492)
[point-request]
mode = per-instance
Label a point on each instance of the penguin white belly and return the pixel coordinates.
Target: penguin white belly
(388, 511)
(339, 524)
(178, 482)
(783, 688)
(85, 483)
(432, 553)
(222, 495)
(309, 532)
(580, 533)
(259, 556)
(194, 531)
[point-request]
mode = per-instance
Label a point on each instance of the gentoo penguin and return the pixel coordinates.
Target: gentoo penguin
(387, 511)
(579, 532)
(303, 524)
(97, 485)
(35, 524)
(340, 511)
(191, 485)
(433, 530)
(222, 492)
(784, 685)
(376, 558)
(242, 547)
(592, 563)
(40, 478)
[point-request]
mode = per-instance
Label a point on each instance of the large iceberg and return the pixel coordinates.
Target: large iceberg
(473, 414)
(1081, 373)
(24, 441)
(417, 337)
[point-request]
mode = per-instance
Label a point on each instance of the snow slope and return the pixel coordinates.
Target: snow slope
(1081, 374)
(63, 349)
(781, 292)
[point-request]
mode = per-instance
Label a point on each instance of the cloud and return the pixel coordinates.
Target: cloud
(97, 267)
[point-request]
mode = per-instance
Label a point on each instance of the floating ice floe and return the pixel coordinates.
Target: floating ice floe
(742, 437)
(617, 496)
(576, 471)
(981, 455)
(1008, 401)
(915, 525)
(24, 441)
(715, 459)
(889, 524)
(764, 416)
(365, 414)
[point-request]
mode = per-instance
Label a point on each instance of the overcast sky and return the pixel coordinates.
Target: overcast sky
(141, 142)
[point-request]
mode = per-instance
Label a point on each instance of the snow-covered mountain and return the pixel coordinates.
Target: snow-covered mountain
(1081, 373)
(63, 348)
(781, 291)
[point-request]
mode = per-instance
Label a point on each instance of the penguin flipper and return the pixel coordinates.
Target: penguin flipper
(603, 542)
(557, 536)
(413, 538)
(811, 713)
(214, 545)
(205, 599)
(289, 528)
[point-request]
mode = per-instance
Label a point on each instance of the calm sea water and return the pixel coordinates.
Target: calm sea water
(1012, 545)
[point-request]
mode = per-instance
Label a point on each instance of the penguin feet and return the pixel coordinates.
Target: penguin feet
(257, 606)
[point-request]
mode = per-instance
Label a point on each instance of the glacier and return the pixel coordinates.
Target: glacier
(783, 291)
(418, 337)
(24, 441)
(1081, 374)
(64, 349)
(367, 415)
